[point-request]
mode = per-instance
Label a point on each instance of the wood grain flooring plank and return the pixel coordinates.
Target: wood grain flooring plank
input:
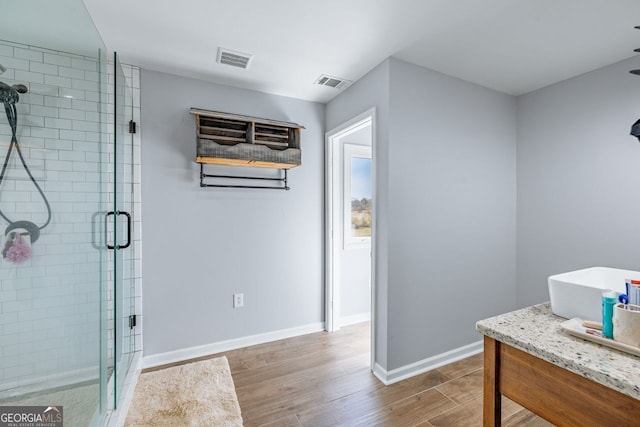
(406, 412)
(509, 408)
(368, 400)
(525, 418)
(331, 360)
(324, 380)
(467, 415)
(288, 421)
(463, 389)
(462, 367)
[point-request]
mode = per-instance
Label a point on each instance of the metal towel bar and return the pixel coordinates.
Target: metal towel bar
(283, 180)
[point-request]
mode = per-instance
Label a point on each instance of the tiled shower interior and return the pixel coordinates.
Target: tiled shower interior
(49, 304)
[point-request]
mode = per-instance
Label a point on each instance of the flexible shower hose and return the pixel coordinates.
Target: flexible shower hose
(12, 117)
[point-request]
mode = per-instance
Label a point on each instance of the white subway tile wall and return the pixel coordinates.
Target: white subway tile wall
(49, 305)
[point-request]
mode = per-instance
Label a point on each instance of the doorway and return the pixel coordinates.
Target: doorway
(350, 223)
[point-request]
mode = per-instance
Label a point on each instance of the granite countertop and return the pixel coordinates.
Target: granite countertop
(536, 330)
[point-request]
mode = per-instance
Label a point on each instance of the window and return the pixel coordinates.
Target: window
(358, 202)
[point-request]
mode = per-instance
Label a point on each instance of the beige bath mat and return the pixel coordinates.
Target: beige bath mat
(195, 394)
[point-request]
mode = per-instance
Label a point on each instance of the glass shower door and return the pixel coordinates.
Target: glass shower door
(53, 272)
(123, 262)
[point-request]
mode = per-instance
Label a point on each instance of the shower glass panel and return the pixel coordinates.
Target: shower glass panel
(123, 229)
(52, 277)
(57, 277)
(52, 309)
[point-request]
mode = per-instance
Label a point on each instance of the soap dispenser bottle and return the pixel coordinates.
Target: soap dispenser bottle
(609, 299)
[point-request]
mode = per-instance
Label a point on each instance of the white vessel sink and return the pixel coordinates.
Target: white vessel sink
(579, 293)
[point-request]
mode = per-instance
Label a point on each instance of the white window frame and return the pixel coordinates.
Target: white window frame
(351, 151)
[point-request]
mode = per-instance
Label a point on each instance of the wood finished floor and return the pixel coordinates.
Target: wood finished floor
(324, 379)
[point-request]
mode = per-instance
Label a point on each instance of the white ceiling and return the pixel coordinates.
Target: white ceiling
(514, 46)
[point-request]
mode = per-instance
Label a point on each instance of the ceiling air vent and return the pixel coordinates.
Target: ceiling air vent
(233, 58)
(334, 82)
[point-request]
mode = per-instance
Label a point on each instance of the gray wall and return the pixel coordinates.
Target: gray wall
(452, 201)
(370, 91)
(578, 178)
(203, 245)
(445, 159)
(445, 206)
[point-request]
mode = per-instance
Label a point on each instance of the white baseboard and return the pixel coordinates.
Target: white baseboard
(353, 319)
(416, 368)
(221, 346)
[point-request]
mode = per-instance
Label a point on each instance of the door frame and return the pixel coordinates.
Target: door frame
(333, 212)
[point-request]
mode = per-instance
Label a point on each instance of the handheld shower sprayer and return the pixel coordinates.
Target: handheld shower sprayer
(9, 96)
(15, 249)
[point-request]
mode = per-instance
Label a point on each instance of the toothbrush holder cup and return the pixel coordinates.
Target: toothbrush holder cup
(626, 324)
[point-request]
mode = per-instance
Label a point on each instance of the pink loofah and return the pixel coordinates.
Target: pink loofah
(18, 252)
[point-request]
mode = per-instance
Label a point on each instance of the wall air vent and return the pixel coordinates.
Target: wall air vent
(233, 58)
(334, 82)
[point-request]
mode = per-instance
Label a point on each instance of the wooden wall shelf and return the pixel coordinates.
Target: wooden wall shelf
(235, 140)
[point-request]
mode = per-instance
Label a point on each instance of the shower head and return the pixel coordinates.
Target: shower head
(635, 129)
(2, 69)
(10, 94)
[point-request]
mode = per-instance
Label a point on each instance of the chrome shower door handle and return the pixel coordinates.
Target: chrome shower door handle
(128, 215)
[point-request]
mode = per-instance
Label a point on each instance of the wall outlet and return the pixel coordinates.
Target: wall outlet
(238, 300)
